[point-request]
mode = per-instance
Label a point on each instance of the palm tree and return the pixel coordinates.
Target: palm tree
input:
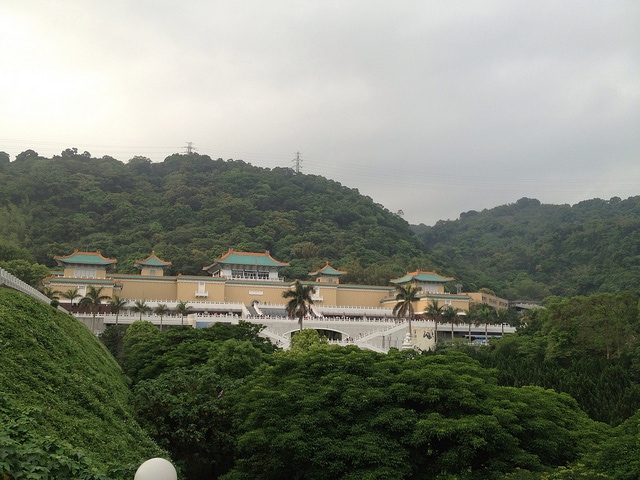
(450, 314)
(300, 303)
(484, 313)
(183, 309)
(503, 316)
(51, 293)
(93, 299)
(70, 295)
(161, 310)
(435, 312)
(471, 320)
(461, 314)
(406, 296)
(116, 304)
(141, 307)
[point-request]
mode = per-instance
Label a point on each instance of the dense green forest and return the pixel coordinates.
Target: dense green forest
(528, 250)
(227, 405)
(586, 346)
(558, 399)
(190, 209)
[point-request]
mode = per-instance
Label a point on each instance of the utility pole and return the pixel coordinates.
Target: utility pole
(190, 148)
(297, 162)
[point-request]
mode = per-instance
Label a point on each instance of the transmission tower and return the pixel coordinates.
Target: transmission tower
(189, 149)
(297, 162)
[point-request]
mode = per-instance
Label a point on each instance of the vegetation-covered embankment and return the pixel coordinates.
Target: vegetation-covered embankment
(65, 408)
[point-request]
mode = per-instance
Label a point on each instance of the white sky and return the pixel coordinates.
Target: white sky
(430, 107)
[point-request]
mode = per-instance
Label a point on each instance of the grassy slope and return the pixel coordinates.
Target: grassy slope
(50, 361)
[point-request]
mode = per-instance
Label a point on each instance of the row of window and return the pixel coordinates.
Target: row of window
(85, 273)
(249, 275)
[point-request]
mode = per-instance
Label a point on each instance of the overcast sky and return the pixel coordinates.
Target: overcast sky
(429, 107)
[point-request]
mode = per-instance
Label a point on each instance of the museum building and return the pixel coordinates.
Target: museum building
(238, 281)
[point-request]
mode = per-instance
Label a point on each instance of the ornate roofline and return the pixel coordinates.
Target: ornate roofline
(224, 259)
(151, 261)
(102, 260)
(432, 277)
(327, 270)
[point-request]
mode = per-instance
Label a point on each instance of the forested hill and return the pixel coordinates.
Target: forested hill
(191, 209)
(528, 250)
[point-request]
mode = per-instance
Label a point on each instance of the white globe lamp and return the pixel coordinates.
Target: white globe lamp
(156, 469)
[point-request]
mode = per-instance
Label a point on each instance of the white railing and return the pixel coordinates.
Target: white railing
(349, 310)
(195, 304)
(8, 280)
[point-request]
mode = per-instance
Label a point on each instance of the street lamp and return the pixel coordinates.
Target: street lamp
(156, 469)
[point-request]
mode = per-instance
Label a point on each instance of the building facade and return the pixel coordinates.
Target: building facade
(241, 278)
(247, 286)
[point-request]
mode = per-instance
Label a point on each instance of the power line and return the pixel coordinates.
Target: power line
(355, 174)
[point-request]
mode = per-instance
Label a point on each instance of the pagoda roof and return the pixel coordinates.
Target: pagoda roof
(151, 261)
(419, 276)
(247, 258)
(84, 258)
(327, 270)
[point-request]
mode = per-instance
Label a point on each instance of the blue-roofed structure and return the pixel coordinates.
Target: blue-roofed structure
(246, 266)
(85, 264)
(85, 258)
(327, 274)
(152, 266)
(422, 277)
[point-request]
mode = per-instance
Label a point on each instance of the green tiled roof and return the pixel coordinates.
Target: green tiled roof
(246, 258)
(422, 277)
(152, 261)
(327, 270)
(85, 258)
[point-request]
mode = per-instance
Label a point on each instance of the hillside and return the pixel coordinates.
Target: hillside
(529, 250)
(64, 401)
(191, 209)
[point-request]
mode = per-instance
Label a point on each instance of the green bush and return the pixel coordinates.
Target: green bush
(63, 394)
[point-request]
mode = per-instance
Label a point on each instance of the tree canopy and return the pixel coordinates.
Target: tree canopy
(228, 405)
(191, 209)
(336, 412)
(528, 250)
(586, 346)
